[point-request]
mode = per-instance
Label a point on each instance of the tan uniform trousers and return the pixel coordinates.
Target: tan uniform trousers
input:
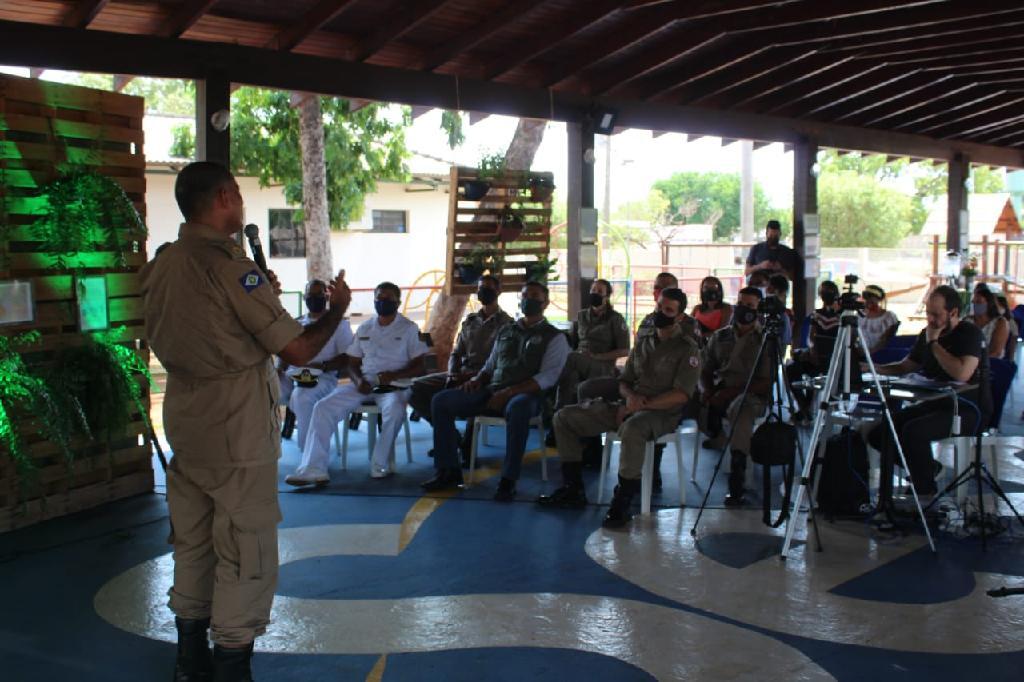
(741, 421)
(224, 532)
(578, 421)
(578, 368)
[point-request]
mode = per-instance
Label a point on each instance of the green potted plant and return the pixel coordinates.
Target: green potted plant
(541, 188)
(541, 269)
(510, 224)
(491, 166)
(483, 258)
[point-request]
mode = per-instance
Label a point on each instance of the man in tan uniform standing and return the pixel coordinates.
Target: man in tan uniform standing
(657, 382)
(214, 320)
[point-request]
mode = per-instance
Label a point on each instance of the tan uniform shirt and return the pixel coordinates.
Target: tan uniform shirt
(214, 321)
(731, 357)
(657, 365)
(475, 341)
(595, 333)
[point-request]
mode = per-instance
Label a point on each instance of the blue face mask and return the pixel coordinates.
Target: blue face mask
(531, 306)
(385, 307)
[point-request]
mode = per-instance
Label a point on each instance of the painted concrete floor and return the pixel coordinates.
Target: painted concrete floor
(379, 583)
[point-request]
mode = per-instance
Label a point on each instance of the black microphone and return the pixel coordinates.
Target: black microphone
(252, 233)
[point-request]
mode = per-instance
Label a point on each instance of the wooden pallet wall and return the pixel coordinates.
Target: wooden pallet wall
(44, 129)
(474, 222)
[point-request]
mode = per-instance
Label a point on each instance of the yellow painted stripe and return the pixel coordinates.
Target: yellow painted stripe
(377, 674)
(428, 504)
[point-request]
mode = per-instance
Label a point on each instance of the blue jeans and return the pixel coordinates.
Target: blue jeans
(454, 403)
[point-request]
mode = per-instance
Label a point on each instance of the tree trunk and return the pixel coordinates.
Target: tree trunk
(447, 312)
(319, 262)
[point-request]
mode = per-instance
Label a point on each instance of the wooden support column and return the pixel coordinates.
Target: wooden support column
(805, 201)
(580, 194)
(212, 94)
(959, 171)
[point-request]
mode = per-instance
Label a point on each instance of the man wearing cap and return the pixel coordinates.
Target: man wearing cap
(772, 256)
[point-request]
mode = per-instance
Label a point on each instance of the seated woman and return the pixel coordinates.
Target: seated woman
(712, 313)
(986, 316)
(1011, 339)
(878, 324)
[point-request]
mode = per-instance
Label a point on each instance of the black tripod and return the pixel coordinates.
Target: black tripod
(778, 393)
(977, 471)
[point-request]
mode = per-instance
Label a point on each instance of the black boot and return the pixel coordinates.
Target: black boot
(194, 663)
(659, 450)
(232, 665)
(736, 479)
(289, 424)
(571, 495)
(619, 512)
(593, 451)
(444, 479)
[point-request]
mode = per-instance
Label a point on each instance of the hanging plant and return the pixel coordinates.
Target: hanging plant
(85, 212)
(541, 269)
(26, 394)
(541, 188)
(101, 376)
(510, 225)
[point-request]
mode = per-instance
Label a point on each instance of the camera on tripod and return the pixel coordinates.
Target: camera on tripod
(850, 299)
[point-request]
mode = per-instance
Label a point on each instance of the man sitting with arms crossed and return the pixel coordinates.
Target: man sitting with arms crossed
(947, 349)
(386, 348)
(302, 387)
(473, 345)
(526, 360)
(727, 364)
(657, 382)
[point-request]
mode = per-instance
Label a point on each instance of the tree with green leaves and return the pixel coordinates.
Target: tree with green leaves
(714, 198)
(859, 211)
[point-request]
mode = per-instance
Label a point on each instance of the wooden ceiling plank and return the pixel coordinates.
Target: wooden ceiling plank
(83, 12)
(292, 35)
(789, 95)
(854, 90)
(972, 119)
(988, 131)
(790, 75)
(926, 34)
(470, 38)
(709, 91)
(924, 89)
(925, 104)
(185, 17)
(710, 71)
(411, 14)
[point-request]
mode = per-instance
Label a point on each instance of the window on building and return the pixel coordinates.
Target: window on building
(287, 236)
(388, 221)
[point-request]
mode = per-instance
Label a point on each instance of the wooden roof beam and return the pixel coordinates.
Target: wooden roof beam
(184, 17)
(409, 15)
(937, 111)
(853, 89)
(713, 92)
(946, 46)
(470, 38)
(292, 35)
(973, 120)
(551, 36)
(987, 132)
(83, 12)
(924, 90)
(788, 75)
(906, 34)
(826, 84)
(927, 102)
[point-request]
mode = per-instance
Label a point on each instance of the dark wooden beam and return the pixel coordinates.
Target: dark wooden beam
(54, 47)
(1005, 138)
(1001, 111)
(184, 17)
(83, 12)
(405, 18)
(956, 193)
(790, 95)
(926, 103)
(470, 38)
(1011, 126)
(706, 91)
(213, 94)
(706, 71)
(960, 62)
(805, 201)
(551, 36)
(925, 89)
(855, 90)
(668, 48)
(945, 46)
(292, 35)
(789, 75)
(951, 31)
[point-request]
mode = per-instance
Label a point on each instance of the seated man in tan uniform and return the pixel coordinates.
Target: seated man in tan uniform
(727, 363)
(658, 380)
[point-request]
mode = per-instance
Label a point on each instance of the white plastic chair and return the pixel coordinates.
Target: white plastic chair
(370, 411)
(480, 425)
(647, 478)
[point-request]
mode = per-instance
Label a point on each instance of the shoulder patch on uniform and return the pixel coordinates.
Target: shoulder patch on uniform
(250, 281)
(694, 361)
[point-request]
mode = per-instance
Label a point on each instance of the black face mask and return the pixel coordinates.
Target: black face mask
(710, 296)
(316, 304)
(531, 306)
(661, 320)
(596, 300)
(385, 307)
(828, 298)
(745, 315)
(487, 295)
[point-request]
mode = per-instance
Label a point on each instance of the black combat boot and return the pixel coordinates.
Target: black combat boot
(232, 664)
(194, 663)
(289, 424)
(593, 451)
(659, 450)
(571, 495)
(619, 512)
(737, 478)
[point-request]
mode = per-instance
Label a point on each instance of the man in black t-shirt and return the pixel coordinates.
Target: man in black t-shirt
(814, 360)
(948, 350)
(771, 255)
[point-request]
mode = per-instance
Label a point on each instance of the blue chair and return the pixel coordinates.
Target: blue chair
(805, 333)
(1018, 316)
(1001, 374)
(905, 341)
(889, 354)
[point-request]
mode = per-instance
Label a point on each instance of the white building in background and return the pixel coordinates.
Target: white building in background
(400, 237)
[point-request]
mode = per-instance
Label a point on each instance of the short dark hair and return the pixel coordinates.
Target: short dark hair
(779, 283)
(750, 291)
(829, 284)
(950, 297)
(773, 225)
(388, 286)
(314, 283)
(606, 283)
(542, 287)
(675, 294)
(762, 274)
(991, 305)
(493, 280)
(197, 184)
(667, 274)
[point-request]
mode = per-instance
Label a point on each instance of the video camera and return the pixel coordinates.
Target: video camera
(771, 306)
(850, 299)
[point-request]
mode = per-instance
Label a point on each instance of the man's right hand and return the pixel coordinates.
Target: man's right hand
(341, 295)
(365, 387)
(472, 385)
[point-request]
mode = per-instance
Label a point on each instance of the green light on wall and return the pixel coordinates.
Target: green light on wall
(93, 304)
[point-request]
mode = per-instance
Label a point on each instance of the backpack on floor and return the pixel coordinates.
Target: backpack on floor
(773, 443)
(843, 483)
